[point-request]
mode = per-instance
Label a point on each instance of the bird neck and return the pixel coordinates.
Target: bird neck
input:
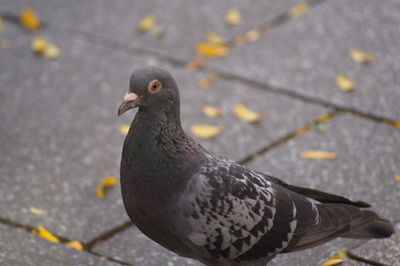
(160, 154)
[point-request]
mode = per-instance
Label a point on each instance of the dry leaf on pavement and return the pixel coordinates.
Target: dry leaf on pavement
(212, 49)
(245, 114)
(318, 155)
(36, 211)
(360, 57)
(344, 83)
(232, 17)
(298, 10)
(29, 19)
(74, 244)
(43, 233)
(106, 182)
(205, 131)
(211, 111)
(147, 23)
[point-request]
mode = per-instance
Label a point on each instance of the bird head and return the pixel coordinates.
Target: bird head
(150, 88)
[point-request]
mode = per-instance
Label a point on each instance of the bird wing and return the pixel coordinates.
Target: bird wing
(235, 213)
(317, 195)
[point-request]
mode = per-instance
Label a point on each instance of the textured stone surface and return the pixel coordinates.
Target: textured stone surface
(185, 22)
(306, 54)
(386, 251)
(60, 130)
(20, 248)
(366, 162)
(135, 248)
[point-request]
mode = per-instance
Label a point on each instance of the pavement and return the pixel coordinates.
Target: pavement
(60, 134)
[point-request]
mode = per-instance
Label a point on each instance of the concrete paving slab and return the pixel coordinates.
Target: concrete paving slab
(185, 22)
(20, 248)
(386, 252)
(364, 170)
(306, 54)
(133, 247)
(60, 130)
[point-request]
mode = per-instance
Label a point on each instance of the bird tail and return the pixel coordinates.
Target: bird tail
(342, 220)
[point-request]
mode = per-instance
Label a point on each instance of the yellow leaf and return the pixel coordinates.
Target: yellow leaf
(324, 118)
(212, 49)
(4, 44)
(360, 57)
(51, 51)
(205, 131)
(397, 178)
(318, 155)
(196, 63)
(298, 10)
(213, 37)
(301, 131)
(124, 129)
(39, 45)
(36, 211)
(333, 261)
(252, 35)
(232, 17)
(74, 244)
(245, 114)
(397, 124)
(344, 83)
(147, 23)
(342, 254)
(106, 182)
(206, 82)
(211, 111)
(29, 19)
(43, 233)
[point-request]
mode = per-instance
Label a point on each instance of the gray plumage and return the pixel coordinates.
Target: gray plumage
(204, 206)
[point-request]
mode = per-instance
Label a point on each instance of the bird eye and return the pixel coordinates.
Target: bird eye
(154, 86)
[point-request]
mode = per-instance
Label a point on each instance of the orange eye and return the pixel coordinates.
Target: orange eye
(154, 86)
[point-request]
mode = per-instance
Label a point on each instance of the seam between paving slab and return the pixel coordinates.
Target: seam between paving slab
(28, 229)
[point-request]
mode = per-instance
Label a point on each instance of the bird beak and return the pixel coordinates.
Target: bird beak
(131, 100)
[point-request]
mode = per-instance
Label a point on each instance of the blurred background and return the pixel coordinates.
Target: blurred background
(307, 91)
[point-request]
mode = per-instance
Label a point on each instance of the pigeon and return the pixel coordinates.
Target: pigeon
(204, 206)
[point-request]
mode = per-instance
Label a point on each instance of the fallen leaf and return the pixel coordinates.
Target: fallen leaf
(245, 114)
(298, 10)
(333, 261)
(318, 155)
(74, 244)
(252, 35)
(36, 211)
(4, 44)
(51, 51)
(213, 37)
(1, 24)
(39, 45)
(43, 233)
(124, 129)
(301, 131)
(232, 17)
(397, 124)
(205, 131)
(29, 19)
(211, 111)
(342, 254)
(206, 82)
(147, 23)
(360, 57)
(344, 83)
(397, 178)
(106, 182)
(197, 62)
(212, 49)
(324, 118)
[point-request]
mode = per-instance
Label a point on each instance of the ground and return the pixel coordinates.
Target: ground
(60, 133)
